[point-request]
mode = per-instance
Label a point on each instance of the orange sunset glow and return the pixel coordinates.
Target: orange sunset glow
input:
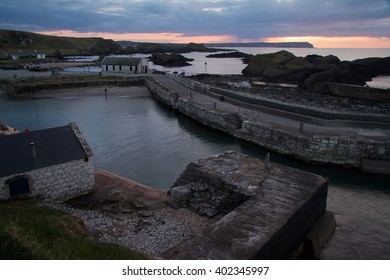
(317, 41)
(146, 37)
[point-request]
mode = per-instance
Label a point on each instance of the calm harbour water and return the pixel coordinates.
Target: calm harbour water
(134, 136)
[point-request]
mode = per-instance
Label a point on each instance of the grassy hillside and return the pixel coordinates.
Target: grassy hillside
(31, 232)
(20, 40)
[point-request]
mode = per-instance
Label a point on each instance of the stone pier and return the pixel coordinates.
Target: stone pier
(261, 212)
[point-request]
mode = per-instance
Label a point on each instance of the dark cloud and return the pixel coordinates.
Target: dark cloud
(244, 19)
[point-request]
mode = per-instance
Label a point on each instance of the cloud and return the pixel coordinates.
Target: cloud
(242, 19)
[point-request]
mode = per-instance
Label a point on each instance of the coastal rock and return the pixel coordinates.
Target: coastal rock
(281, 66)
(245, 57)
(355, 72)
(325, 62)
(170, 60)
(314, 70)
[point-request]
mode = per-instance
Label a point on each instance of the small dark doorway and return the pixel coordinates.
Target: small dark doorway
(18, 186)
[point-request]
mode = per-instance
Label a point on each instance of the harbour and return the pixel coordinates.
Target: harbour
(134, 136)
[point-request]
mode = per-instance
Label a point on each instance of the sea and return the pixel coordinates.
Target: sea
(227, 66)
(134, 136)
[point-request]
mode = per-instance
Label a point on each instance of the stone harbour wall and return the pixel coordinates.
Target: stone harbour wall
(58, 182)
(339, 150)
(213, 118)
(336, 150)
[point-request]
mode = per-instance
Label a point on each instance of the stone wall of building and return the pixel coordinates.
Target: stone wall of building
(338, 150)
(56, 183)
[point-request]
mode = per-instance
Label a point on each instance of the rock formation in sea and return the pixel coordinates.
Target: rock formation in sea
(312, 70)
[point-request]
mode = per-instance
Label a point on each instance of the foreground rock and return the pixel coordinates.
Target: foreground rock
(270, 208)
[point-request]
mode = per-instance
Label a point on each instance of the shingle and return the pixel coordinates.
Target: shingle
(53, 146)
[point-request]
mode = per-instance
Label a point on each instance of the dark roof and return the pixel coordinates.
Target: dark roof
(53, 146)
(121, 60)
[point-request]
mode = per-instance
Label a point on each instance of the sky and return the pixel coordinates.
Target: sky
(339, 23)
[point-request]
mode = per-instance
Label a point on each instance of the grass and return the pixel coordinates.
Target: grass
(35, 233)
(11, 40)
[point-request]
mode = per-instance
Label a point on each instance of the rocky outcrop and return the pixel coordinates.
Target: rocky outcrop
(313, 71)
(170, 60)
(231, 54)
(355, 72)
(282, 66)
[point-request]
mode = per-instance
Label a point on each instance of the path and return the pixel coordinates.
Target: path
(287, 124)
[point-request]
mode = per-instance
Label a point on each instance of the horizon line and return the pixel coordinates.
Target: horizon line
(335, 42)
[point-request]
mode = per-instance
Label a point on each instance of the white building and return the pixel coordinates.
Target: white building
(27, 53)
(125, 64)
(53, 164)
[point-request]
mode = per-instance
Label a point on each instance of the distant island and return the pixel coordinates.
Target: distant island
(262, 45)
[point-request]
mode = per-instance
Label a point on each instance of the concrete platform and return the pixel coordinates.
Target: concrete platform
(279, 207)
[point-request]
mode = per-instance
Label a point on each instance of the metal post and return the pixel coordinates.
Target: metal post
(267, 161)
(34, 154)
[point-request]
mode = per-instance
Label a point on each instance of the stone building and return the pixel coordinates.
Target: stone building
(125, 64)
(53, 164)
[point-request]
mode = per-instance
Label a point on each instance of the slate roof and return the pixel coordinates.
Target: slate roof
(121, 60)
(53, 146)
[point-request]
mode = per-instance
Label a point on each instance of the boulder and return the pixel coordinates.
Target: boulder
(181, 193)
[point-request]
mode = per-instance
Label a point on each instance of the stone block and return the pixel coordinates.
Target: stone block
(318, 235)
(270, 224)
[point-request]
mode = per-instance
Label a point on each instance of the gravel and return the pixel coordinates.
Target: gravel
(149, 232)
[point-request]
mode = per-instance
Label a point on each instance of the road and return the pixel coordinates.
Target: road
(287, 124)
